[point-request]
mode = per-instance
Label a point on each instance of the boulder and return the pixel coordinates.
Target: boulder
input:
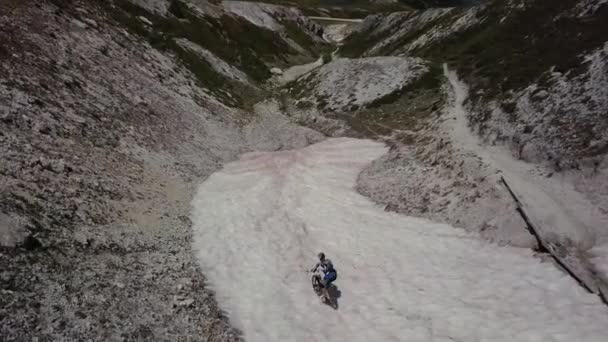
(145, 20)
(13, 232)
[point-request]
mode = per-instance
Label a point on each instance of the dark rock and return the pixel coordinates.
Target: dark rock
(7, 117)
(31, 243)
(42, 128)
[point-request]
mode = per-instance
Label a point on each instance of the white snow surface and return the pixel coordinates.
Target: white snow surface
(259, 223)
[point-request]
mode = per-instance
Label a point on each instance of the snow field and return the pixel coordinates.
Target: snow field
(259, 223)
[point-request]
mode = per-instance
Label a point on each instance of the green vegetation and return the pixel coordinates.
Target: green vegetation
(405, 109)
(302, 87)
(361, 41)
(231, 92)
(294, 32)
(231, 38)
(405, 114)
(508, 49)
(501, 55)
(430, 81)
(303, 39)
(509, 56)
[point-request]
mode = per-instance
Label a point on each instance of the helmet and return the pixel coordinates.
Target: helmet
(321, 256)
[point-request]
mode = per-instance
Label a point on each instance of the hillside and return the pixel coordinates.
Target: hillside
(110, 114)
(528, 84)
(362, 8)
(170, 169)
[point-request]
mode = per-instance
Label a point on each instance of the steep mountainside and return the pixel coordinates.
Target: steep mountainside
(111, 112)
(227, 35)
(527, 92)
(362, 8)
(517, 58)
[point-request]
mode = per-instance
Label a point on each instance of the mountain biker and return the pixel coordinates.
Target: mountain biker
(329, 272)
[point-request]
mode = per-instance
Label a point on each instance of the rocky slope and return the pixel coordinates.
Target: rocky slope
(507, 79)
(110, 114)
(362, 8)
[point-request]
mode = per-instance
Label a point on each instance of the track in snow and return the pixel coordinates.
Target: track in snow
(259, 223)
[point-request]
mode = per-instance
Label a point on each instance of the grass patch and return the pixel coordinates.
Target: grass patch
(295, 33)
